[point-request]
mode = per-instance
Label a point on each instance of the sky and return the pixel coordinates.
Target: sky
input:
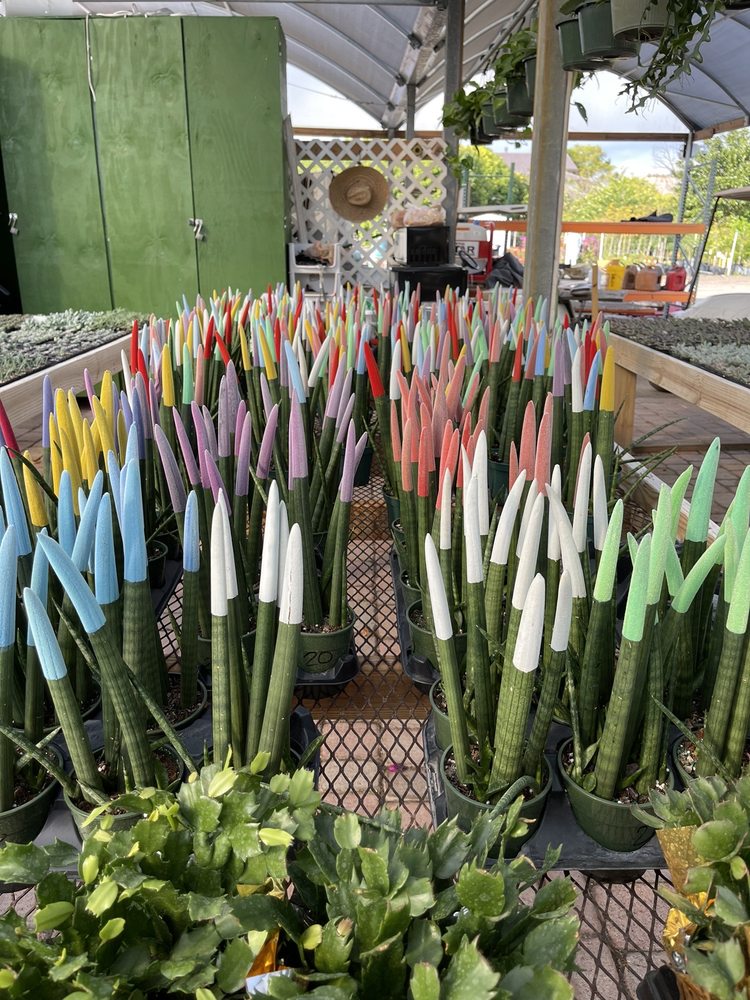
(314, 103)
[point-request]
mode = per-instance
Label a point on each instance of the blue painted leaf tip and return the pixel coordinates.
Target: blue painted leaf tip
(8, 570)
(105, 569)
(87, 608)
(15, 511)
(48, 650)
(133, 531)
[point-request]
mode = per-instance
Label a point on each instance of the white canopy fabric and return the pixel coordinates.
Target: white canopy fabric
(368, 51)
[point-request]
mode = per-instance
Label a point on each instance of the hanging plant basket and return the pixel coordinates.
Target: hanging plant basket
(519, 101)
(529, 68)
(640, 20)
(597, 38)
(503, 117)
(569, 37)
(490, 127)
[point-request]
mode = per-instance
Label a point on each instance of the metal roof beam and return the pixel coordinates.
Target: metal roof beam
(338, 69)
(342, 36)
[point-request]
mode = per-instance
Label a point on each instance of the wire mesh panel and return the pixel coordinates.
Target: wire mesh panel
(372, 754)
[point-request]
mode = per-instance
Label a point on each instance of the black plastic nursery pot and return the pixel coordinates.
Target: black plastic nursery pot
(411, 594)
(119, 821)
(362, 475)
(195, 712)
(321, 651)
(21, 824)
(639, 19)
(422, 640)
(503, 117)
(497, 478)
(569, 37)
(399, 541)
(519, 100)
(440, 719)
(204, 649)
(611, 824)
(529, 69)
(392, 505)
(467, 810)
(490, 127)
(157, 563)
(598, 41)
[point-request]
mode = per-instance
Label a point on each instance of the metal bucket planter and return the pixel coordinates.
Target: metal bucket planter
(322, 651)
(569, 37)
(519, 100)
(639, 19)
(440, 719)
(393, 506)
(467, 810)
(611, 824)
(21, 824)
(597, 38)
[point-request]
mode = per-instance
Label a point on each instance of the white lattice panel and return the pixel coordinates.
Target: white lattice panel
(415, 170)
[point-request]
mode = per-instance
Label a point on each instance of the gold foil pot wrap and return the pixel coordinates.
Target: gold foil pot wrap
(677, 846)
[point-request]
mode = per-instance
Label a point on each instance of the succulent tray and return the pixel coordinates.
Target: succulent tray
(33, 342)
(718, 346)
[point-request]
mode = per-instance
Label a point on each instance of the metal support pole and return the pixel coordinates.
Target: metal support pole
(687, 164)
(454, 58)
(548, 157)
(411, 101)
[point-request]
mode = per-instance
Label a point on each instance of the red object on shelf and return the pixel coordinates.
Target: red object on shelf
(676, 279)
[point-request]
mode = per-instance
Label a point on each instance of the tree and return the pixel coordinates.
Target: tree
(489, 178)
(620, 197)
(593, 168)
(731, 152)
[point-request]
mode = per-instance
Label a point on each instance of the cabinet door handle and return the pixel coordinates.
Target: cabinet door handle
(197, 226)
(13, 223)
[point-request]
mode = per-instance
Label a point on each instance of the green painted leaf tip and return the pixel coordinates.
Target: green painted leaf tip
(605, 576)
(739, 608)
(695, 578)
(678, 495)
(635, 609)
(703, 495)
(659, 543)
(740, 508)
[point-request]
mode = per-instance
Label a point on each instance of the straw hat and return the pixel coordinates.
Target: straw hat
(358, 193)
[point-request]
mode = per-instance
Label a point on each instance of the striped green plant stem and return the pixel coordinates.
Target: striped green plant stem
(110, 723)
(516, 692)
(265, 637)
(651, 738)
(221, 718)
(448, 664)
(7, 750)
(739, 725)
(71, 723)
(274, 734)
(128, 709)
(141, 649)
(189, 639)
(299, 513)
(634, 645)
(337, 608)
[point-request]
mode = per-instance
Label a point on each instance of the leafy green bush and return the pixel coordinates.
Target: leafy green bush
(185, 901)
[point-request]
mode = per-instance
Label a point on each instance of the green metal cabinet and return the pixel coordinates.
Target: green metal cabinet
(158, 169)
(49, 158)
(235, 74)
